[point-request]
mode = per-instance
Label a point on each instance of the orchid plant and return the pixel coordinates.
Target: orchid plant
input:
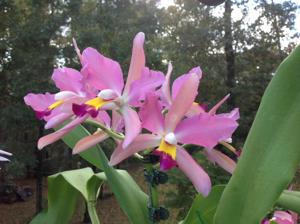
(144, 116)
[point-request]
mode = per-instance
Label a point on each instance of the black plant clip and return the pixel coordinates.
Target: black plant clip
(155, 177)
(158, 214)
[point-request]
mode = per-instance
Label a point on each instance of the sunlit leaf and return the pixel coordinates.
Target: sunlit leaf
(271, 153)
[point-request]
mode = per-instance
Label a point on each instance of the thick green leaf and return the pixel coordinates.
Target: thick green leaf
(290, 200)
(131, 198)
(271, 153)
(203, 208)
(63, 191)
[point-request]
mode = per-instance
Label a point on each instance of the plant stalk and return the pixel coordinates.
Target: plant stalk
(91, 206)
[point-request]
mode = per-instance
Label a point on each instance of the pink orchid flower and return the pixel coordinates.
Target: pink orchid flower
(169, 132)
(57, 108)
(105, 74)
(282, 217)
(4, 153)
(168, 94)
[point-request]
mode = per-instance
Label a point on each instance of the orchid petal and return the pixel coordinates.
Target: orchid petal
(55, 136)
(282, 217)
(165, 89)
(137, 62)
(56, 120)
(193, 171)
(149, 81)
(151, 116)
(216, 107)
(103, 72)
(39, 102)
(132, 124)
(234, 114)
(166, 161)
(182, 103)
(181, 79)
(205, 130)
(103, 117)
(77, 49)
(67, 79)
(195, 110)
(117, 121)
(141, 142)
(221, 159)
(89, 141)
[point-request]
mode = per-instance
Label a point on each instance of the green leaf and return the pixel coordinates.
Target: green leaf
(63, 191)
(290, 200)
(131, 198)
(271, 153)
(203, 209)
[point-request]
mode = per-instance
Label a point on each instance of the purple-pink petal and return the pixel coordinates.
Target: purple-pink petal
(165, 89)
(148, 82)
(221, 159)
(182, 103)
(89, 141)
(132, 124)
(141, 142)
(234, 114)
(103, 72)
(137, 62)
(217, 106)
(205, 130)
(117, 121)
(39, 102)
(193, 171)
(181, 79)
(151, 114)
(57, 120)
(68, 79)
(55, 136)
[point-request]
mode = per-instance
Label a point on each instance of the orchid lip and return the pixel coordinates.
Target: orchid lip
(167, 148)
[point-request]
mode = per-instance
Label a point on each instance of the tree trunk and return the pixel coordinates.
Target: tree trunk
(229, 53)
(39, 174)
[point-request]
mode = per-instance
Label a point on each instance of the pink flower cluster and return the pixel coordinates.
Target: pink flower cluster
(150, 113)
(282, 217)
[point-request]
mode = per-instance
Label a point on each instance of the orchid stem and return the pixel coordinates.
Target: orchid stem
(91, 206)
(107, 130)
(228, 146)
(153, 195)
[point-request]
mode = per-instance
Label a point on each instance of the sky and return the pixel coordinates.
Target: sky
(236, 14)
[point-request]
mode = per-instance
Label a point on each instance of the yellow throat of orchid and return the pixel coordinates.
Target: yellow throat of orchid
(105, 96)
(55, 104)
(96, 102)
(168, 145)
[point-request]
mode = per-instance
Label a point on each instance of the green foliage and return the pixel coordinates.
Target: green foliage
(131, 198)
(203, 209)
(271, 154)
(290, 200)
(63, 192)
